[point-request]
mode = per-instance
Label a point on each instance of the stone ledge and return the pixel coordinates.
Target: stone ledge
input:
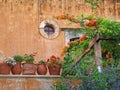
(27, 82)
(30, 76)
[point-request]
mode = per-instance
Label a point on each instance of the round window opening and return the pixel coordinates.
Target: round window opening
(49, 29)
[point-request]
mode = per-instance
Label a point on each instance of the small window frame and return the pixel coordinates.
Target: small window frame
(51, 23)
(49, 29)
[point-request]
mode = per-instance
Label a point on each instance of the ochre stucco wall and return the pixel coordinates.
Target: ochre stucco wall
(19, 20)
(19, 31)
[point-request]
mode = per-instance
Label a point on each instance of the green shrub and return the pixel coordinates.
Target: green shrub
(18, 58)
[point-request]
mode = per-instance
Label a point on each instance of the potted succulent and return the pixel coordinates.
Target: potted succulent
(41, 68)
(17, 69)
(54, 65)
(29, 68)
(5, 67)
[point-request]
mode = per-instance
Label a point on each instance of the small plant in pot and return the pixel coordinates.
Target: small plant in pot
(17, 69)
(54, 65)
(41, 68)
(29, 68)
(5, 67)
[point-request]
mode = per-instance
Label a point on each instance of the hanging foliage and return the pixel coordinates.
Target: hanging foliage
(85, 69)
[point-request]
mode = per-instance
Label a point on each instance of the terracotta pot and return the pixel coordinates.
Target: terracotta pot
(41, 69)
(29, 69)
(54, 69)
(16, 69)
(5, 68)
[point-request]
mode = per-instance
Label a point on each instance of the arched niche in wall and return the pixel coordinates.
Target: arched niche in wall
(49, 29)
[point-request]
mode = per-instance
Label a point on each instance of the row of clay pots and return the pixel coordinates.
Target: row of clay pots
(28, 69)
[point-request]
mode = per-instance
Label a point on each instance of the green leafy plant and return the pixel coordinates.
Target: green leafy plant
(105, 27)
(108, 27)
(86, 69)
(110, 52)
(42, 62)
(93, 3)
(29, 58)
(10, 61)
(53, 60)
(18, 58)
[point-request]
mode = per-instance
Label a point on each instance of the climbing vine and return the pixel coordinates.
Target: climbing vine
(83, 74)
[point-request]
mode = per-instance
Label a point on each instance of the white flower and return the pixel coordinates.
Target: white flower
(12, 59)
(13, 63)
(86, 20)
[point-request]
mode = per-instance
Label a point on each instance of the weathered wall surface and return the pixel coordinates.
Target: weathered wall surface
(19, 31)
(26, 82)
(50, 8)
(110, 9)
(19, 21)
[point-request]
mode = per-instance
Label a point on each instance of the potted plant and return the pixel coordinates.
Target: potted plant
(29, 68)
(5, 67)
(41, 67)
(54, 65)
(17, 69)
